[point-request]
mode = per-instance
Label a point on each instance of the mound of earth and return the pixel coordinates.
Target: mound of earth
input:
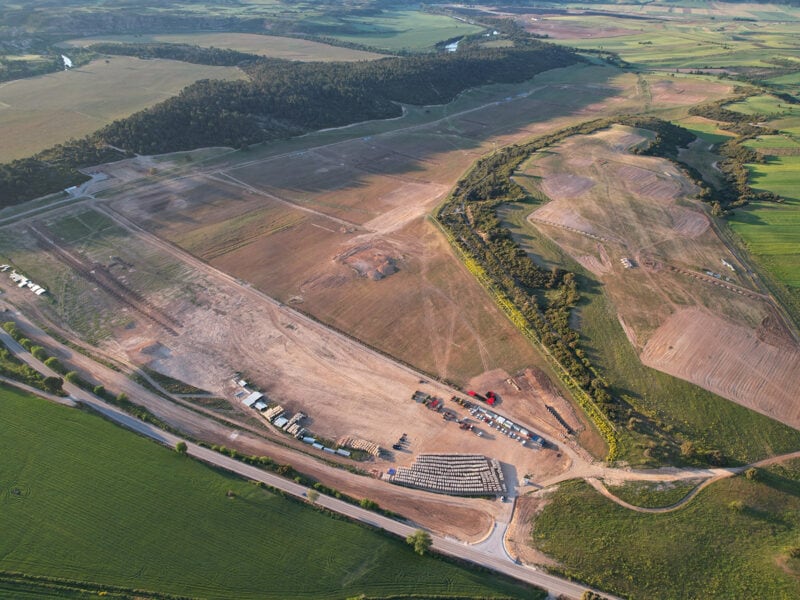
(153, 350)
(369, 261)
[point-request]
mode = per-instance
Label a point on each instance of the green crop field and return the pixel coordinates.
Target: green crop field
(705, 129)
(771, 231)
(772, 142)
(731, 541)
(43, 111)
(84, 500)
(263, 45)
(702, 37)
(401, 29)
(765, 105)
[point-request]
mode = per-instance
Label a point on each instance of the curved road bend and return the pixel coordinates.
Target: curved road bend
(554, 585)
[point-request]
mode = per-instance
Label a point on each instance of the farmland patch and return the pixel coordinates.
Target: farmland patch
(40, 112)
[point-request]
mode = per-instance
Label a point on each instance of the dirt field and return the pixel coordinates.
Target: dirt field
(681, 306)
(216, 327)
(739, 363)
(317, 205)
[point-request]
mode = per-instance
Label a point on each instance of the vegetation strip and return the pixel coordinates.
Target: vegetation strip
(738, 538)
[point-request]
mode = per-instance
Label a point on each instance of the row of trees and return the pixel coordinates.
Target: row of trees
(544, 297)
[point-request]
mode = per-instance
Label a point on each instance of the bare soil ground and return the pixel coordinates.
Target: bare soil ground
(518, 536)
(687, 313)
(281, 223)
(217, 327)
(730, 360)
(292, 224)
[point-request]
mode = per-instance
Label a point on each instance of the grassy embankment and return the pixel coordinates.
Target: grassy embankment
(738, 538)
(86, 501)
(647, 494)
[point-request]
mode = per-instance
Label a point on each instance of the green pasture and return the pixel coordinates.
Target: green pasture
(772, 142)
(731, 541)
(707, 130)
(693, 42)
(771, 231)
(789, 125)
(648, 494)
(85, 500)
(767, 105)
(402, 29)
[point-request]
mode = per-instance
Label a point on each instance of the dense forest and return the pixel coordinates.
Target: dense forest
(281, 98)
(285, 98)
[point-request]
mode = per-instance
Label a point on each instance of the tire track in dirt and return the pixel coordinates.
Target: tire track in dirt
(99, 275)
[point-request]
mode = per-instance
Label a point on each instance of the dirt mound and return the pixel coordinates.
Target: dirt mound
(153, 350)
(729, 360)
(370, 260)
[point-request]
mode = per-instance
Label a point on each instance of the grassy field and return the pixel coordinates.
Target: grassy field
(403, 29)
(765, 105)
(43, 111)
(729, 542)
(263, 45)
(84, 500)
(694, 38)
(653, 495)
(771, 231)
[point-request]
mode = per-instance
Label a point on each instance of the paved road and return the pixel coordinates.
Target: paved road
(482, 556)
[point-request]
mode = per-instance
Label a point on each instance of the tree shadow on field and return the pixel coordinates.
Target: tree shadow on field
(779, 483)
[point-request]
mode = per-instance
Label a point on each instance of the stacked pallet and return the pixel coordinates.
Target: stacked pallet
(454, 474)
(359, 444)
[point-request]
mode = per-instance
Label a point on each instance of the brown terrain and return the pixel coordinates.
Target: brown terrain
(200, 269)
(686, 303)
